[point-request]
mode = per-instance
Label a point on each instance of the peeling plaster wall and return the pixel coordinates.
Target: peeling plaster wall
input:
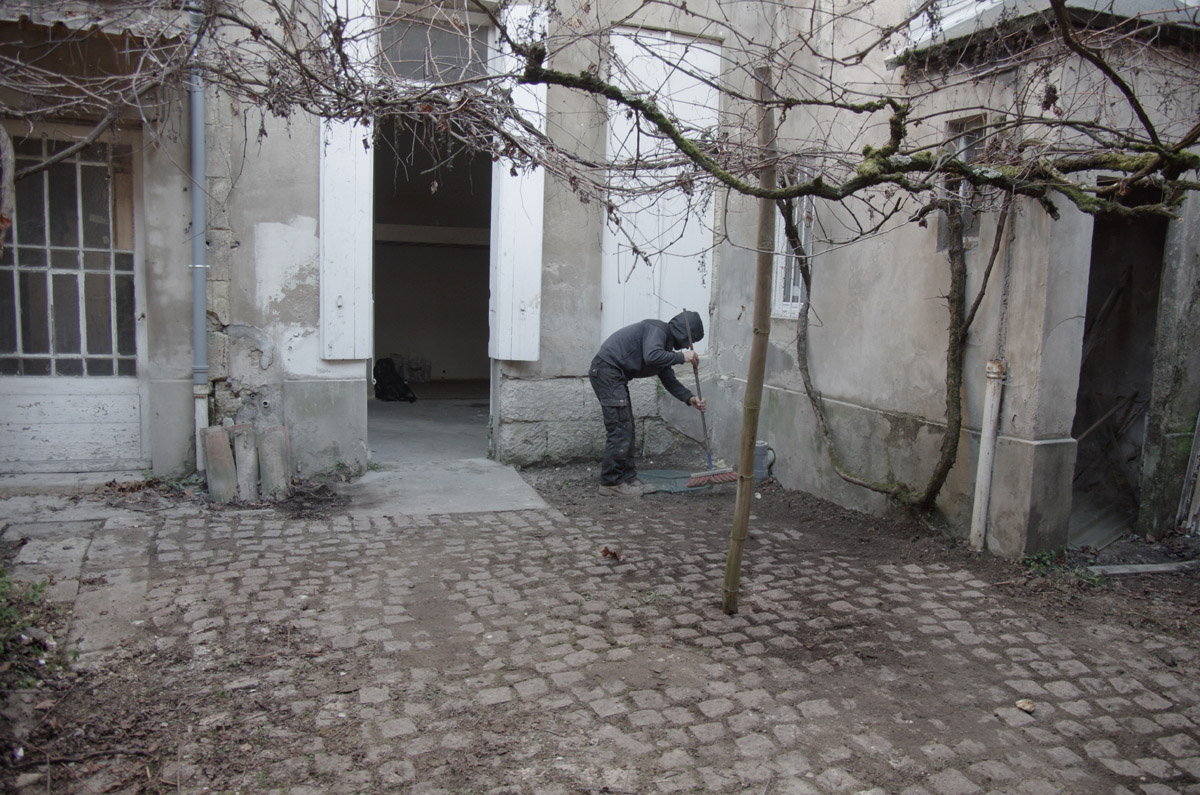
(878, 357)
(264, 354)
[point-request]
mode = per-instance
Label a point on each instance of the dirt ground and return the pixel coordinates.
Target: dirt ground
(1165, 601)
(127, 726)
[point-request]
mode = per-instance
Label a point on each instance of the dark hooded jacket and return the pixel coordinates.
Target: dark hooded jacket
(650, 347)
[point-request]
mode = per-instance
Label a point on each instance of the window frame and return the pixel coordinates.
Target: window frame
(787, 267)
(481, 37)
(957, 18)
(973, 128)
(126, 354)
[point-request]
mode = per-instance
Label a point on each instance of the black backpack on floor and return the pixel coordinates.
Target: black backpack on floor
(389, 383)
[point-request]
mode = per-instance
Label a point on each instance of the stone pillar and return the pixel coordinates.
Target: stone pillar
(1042, 337)
(220, 469)
(245, 456)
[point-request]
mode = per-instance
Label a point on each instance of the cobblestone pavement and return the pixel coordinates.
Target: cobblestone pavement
(504, 653)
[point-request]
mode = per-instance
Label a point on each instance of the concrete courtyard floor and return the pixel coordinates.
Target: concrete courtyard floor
(517, 643)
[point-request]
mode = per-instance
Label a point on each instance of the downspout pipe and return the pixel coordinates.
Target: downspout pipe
(199, 228)
(988, 431)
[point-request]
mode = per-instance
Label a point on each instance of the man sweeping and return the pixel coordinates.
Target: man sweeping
(650, 347)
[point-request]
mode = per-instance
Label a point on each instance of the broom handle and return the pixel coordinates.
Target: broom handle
(703, 422)
(696, 370)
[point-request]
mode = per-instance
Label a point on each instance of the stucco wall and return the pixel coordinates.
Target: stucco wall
(165, 234)
(878, 342)
(263, 303)
(1175, 393)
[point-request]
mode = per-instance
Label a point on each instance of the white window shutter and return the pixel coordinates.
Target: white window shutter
(671, 226)
(629, 289)
(518, 205)
(346, 215)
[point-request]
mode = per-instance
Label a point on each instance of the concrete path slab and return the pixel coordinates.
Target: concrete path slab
(474, 485)
(428, 430)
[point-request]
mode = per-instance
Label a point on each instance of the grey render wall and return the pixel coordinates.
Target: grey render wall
(877, 356)
(165, 217)
(1175, 391)
(878, 346)
(263, 292)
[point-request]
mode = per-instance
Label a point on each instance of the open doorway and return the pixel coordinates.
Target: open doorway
(1115, 378)
(432, 213)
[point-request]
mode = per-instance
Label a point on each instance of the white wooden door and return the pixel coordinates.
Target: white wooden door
(72, 425)
(72, 321)
(518, 207)
(346, 223)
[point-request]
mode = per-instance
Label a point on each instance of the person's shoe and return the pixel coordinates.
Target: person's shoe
(621, 490)
(646, 488)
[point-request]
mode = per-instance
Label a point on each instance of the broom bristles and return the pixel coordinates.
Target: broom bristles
(710, 477)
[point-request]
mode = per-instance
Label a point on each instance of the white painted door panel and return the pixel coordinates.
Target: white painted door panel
(346, 225)
(56, 424)
(518, 207)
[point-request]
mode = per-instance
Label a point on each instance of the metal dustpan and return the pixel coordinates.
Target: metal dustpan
(670, 481)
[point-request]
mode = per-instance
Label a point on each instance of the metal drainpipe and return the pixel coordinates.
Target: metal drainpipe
(987, 452)
(199, 265)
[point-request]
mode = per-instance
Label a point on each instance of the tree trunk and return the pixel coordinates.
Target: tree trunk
(752, 402)
(956, 351)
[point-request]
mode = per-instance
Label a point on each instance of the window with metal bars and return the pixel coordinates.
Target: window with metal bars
(966, 144)
(440, 48)
(67, 305)
(789, 293)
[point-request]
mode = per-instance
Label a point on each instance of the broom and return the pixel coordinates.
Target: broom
(710, 476)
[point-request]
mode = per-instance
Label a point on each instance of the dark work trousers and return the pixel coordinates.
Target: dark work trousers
(611, 388)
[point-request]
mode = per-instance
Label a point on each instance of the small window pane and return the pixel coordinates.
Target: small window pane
(94, 193)
(10, 366)
(64, 259)
(8, 313)
(423, 52)
(66, 313)
(31, 211)
(7, 256)
(126, 325)
(35, 367)
(28, 147)
(124, 262)
(127, 367)
(122, 200)
(96, 260)
(97, 153)
(64, 205)
(35, 308)
(99, 367)
(99, 315)
(31, 257)
(68, 366)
